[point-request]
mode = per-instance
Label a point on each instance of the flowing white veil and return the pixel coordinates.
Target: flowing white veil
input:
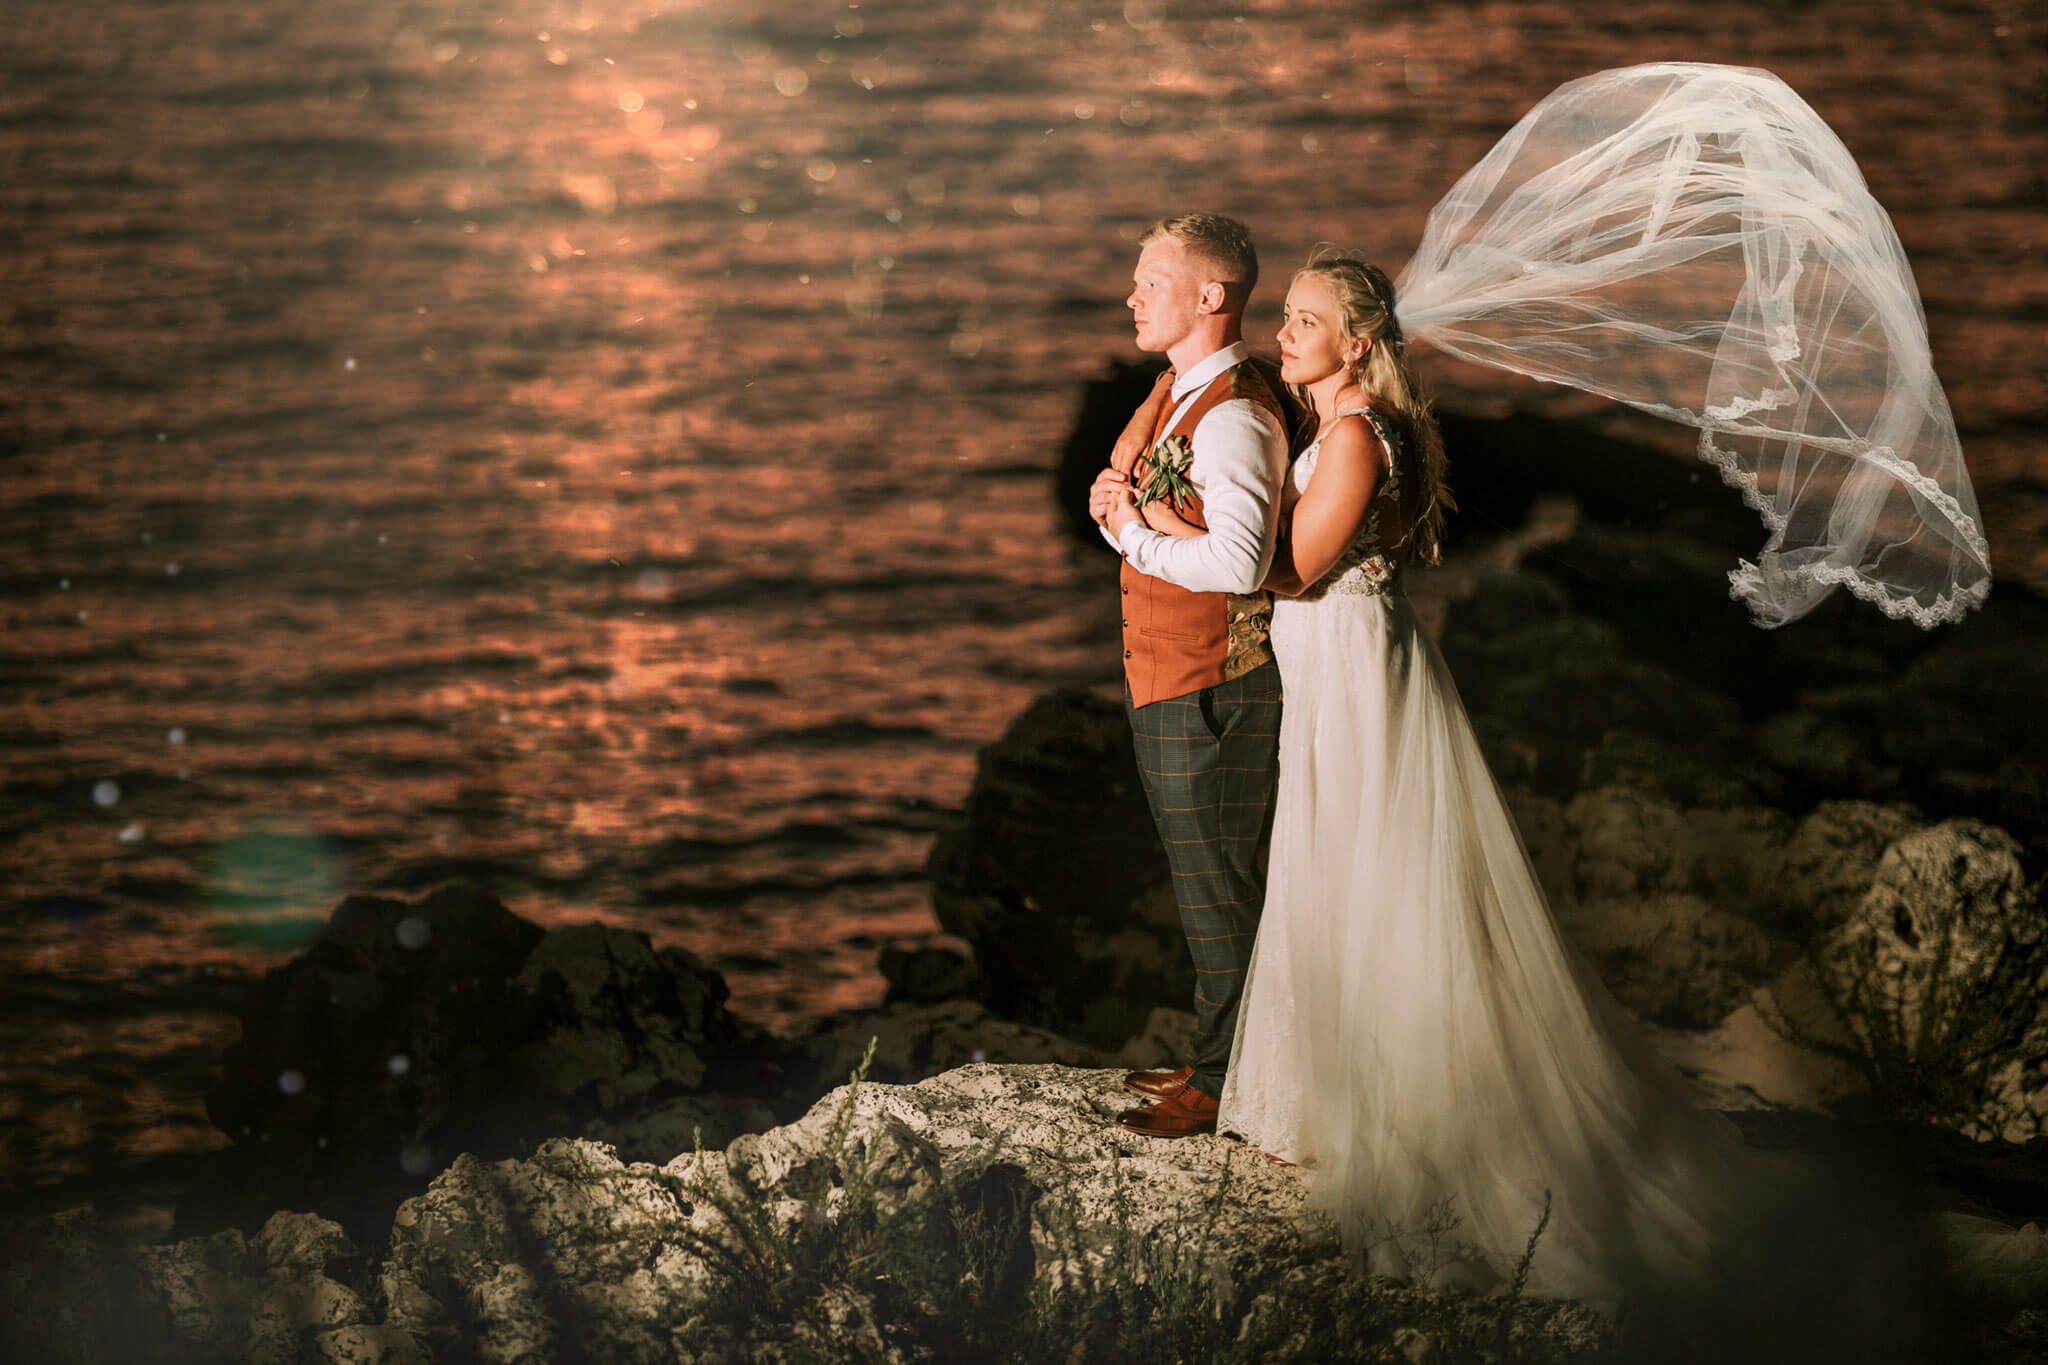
(1693, 240)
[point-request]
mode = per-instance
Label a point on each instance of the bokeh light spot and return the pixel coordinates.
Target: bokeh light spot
(273, 885)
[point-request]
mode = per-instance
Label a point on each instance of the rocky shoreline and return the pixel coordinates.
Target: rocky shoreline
(1810, 860)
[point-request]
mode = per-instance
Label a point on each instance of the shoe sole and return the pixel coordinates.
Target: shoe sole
(1146, 1132)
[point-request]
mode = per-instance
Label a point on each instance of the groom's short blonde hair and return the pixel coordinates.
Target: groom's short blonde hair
(1223, 242)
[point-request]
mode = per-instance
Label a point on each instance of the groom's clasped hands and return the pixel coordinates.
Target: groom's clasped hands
(1116, 485)
(1112, 492)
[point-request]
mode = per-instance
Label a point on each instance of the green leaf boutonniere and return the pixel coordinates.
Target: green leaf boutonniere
(1167, 473)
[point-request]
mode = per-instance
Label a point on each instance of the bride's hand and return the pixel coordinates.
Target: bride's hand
(1281, 578)
(1161, 517)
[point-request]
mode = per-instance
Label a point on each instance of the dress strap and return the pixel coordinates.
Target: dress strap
(1389, 434)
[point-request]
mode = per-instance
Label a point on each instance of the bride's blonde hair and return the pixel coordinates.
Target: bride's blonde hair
(1365, 304)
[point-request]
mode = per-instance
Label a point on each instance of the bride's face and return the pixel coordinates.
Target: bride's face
(1311, 336)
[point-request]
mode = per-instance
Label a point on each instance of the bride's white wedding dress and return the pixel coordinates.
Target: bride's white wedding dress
(1415, 1031)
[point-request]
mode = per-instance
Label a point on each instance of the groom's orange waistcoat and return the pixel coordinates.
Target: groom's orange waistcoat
(1176, 641)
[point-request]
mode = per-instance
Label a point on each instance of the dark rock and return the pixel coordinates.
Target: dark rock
(1165, 1041)
(74, 1294)
(936, 967)
(386, 1032)
(1641, 685)
(1558, 702)
(1666, 595)
(1056, 877)
(406, 1033)
(914, 1042)
(1939, 975)
(1500, 466)
(612, 1019)
(1957, 732)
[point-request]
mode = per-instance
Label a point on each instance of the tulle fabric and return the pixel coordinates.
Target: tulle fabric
(1415, 1031)
(1695, 241)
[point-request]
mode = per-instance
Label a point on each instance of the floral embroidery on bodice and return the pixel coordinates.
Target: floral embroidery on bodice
(1364, 569)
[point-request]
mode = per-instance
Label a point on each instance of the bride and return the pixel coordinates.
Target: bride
(1415, 1030)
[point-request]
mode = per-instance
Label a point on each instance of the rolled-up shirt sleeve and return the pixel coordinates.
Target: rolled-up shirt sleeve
(1240, 457)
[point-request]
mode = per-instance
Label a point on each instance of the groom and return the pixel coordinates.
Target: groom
(1202, 690)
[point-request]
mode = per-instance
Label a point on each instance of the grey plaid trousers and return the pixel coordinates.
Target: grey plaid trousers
(1210, 765)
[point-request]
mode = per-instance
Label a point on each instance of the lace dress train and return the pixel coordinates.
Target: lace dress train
(1415, 1032)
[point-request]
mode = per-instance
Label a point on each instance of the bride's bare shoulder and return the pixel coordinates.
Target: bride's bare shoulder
(1349, 440)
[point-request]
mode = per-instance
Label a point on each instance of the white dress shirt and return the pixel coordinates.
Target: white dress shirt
(1240, 459)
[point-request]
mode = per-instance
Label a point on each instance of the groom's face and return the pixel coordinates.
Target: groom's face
(1166, 295)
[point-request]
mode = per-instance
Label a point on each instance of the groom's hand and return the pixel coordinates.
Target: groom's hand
(1112, 502)
(1123, 510)
(1110, 487)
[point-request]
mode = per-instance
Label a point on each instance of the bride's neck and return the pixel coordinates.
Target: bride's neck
(1334, 393)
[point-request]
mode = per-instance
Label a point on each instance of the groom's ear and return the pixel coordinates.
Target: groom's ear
(1214, 298)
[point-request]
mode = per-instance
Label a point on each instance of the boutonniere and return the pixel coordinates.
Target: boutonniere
(1167, 478)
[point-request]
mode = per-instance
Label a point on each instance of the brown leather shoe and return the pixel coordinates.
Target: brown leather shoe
(1183, 1114)
(1158, 1084)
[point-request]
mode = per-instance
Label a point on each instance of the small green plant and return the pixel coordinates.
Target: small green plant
(1157, 1295)
(848, 1275)
(1520, 1278)
(1511, 1297)
(768, 1267)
